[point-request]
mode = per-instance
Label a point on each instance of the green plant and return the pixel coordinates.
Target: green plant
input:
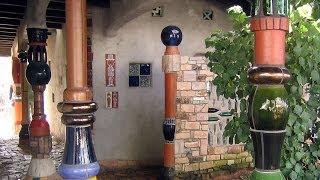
(230, 55)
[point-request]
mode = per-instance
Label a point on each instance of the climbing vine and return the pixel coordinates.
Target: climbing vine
(230, 56)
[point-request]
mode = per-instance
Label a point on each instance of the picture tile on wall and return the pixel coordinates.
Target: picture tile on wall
(112, 99)
(140, 75)
(110, 70)
(157, 12)
(207, 15)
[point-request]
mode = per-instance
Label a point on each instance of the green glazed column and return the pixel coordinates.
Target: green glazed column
(268, 103)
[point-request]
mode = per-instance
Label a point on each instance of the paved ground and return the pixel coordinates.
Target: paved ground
(14, 163)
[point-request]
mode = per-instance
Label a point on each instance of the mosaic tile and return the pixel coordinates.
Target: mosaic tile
(133, 81)
(157, 12)
(134, 69)
(145, 81)
(145, 69)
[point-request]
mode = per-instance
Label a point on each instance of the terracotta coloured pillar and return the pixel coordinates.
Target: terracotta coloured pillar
(38, 75)
(171, 37)
(17, 108)
(268, 103)
(79, 159)
(24, 131)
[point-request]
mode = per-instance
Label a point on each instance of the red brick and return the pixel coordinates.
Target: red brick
(191, 144)
(182, 135)
(203, 147)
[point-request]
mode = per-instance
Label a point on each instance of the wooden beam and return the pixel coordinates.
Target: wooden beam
(58, 6)
(56, 14)
(10, 16)
(8, 34)
(20, 3)
(12, 9)
(54, 25)
(56, 20)
(11, 27)
(7, 30)
(10, 22)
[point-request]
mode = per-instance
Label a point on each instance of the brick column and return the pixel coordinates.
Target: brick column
(38, 75)
(24, 131)
(79, 159)
(268, 102)
(171, 37)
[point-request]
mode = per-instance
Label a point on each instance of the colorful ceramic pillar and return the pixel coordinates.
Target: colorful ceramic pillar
(268, 103)
(38, 75)
(79, 159)
(24, 131)
(17, 104)
(171, 37)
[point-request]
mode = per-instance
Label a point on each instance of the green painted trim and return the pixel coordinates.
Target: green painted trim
(213, 119)
(225, 114)
(267, 175)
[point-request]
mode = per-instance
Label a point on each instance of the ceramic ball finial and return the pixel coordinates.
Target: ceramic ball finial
(171, 36)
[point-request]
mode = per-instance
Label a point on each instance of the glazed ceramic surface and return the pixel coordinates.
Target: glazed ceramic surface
(268, 107)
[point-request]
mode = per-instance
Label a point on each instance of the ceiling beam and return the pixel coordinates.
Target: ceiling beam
(11, 27)
(12, 9)
(54, 25)
(56, 20)
(20, 3)
(7, 30)
(57, 14)
(10, 16)
(9, 22)
(8, 34)
(58, 6)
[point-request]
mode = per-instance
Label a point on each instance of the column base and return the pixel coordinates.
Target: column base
(259, 174)
(167, 173)
(39, 168)
(79, 171)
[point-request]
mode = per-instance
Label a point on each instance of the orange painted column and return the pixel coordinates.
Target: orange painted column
(16, 76)
(171, 37)
(79, 160)
(24, 131)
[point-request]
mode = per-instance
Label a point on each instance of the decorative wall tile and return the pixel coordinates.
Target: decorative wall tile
(110, 70)
(134, 69)
(157, 12)
(145, 81)
(134, 81)
(207, 15)
(112, 99)
(140, 75)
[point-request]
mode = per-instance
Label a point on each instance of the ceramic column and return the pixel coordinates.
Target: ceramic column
(17, 104)
(171, 37)
(268, 103)
(38, 75)
(24, 131)
(79, 159)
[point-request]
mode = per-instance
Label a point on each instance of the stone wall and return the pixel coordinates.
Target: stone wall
(193, 149)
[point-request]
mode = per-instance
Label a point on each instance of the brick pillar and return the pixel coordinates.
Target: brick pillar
(79, 159)
(38, 75)
(171, 37)
(268, 102)
(24, 131)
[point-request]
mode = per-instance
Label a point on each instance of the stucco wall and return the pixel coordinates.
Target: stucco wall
(134, 130)
(56, 49)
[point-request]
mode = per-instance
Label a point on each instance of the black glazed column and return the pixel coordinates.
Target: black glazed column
(38, 75)
(268, 103)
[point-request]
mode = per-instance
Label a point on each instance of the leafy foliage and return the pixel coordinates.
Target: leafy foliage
(230, 55)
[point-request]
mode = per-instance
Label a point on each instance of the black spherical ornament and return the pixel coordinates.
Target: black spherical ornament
(38, 73)
(171, 36)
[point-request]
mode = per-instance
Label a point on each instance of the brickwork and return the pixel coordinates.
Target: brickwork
(40, 147)
(199, 143)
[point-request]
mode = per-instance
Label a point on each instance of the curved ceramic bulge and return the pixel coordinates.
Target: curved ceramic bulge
(268, 107)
